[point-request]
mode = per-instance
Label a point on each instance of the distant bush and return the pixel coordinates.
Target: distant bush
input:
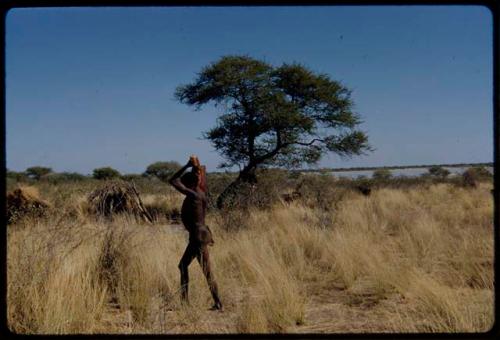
(105, 173)
(382, 174)
(62, 177)
(438, 171)
(74, 176)
(481, 172)
(37, 172)
(473, 175)
(132, 177)
(162, 170)
(17, 176)
(469, 179)
(365, 187)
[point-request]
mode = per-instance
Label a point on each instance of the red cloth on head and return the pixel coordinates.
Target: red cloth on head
(202, 177)
(200, 172)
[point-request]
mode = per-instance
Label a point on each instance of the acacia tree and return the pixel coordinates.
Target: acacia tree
(286, 115)
(37, 172)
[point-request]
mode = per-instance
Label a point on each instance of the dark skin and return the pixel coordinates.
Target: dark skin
(193, 217)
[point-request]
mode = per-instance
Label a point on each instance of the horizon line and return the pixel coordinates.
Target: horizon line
(359, 168)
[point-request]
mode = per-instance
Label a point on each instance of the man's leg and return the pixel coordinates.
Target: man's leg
(186, 259)
(204, 260)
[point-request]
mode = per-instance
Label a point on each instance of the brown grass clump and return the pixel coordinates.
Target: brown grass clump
(25, 201)
(117, 197)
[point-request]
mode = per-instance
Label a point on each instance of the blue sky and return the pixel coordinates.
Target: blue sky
(92, 87)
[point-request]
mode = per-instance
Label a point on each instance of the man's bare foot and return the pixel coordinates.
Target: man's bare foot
(217, 306)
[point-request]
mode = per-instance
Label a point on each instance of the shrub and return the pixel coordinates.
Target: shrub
(481, 172)
(473, 175)
(36, 172)
(105, 173)
(17, 176)
(382, 174)
(271, 185)
(162, 170)
(132, 177)
(216, 183)
(56, 178)
(438, 171)
(469, 178)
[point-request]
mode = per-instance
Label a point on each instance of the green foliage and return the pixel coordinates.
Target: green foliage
(16, 176)
(469, 179)
(162, 170)
(473, 175)
(132, 177)
(480, 172)
(217, 182)
(272, 183)
(382, 174)
(37, 172)
(284, 115)
(105, 173)
(437, 171)
(73, 176)
(56, 178)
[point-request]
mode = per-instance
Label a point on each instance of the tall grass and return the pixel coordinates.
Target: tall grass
(421, 256)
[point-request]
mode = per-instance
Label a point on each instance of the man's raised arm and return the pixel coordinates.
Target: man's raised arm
(175, 180)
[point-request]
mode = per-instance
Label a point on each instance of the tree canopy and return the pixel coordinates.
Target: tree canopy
(286, 115)
(105, 173)
(162, 170)
(37, 172)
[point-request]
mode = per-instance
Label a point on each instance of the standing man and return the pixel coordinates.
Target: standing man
(193, 185)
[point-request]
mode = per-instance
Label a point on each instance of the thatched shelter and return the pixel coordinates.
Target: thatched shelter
(24, 201)
(116, 197)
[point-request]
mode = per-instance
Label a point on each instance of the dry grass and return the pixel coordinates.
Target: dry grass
(163, 208)
(414, 260)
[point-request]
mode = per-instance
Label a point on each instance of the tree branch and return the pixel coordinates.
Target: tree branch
(279, 145)
(311, 142)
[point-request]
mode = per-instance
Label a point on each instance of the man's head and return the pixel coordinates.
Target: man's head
(190, 180)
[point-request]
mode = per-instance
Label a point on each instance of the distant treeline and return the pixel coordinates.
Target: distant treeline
(395, 167)
(163, 170)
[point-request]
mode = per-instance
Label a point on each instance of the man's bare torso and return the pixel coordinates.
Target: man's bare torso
(193, 211)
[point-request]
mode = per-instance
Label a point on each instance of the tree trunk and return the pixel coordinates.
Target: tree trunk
(247, 175)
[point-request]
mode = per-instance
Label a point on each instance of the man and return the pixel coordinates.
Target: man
(193, 185)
